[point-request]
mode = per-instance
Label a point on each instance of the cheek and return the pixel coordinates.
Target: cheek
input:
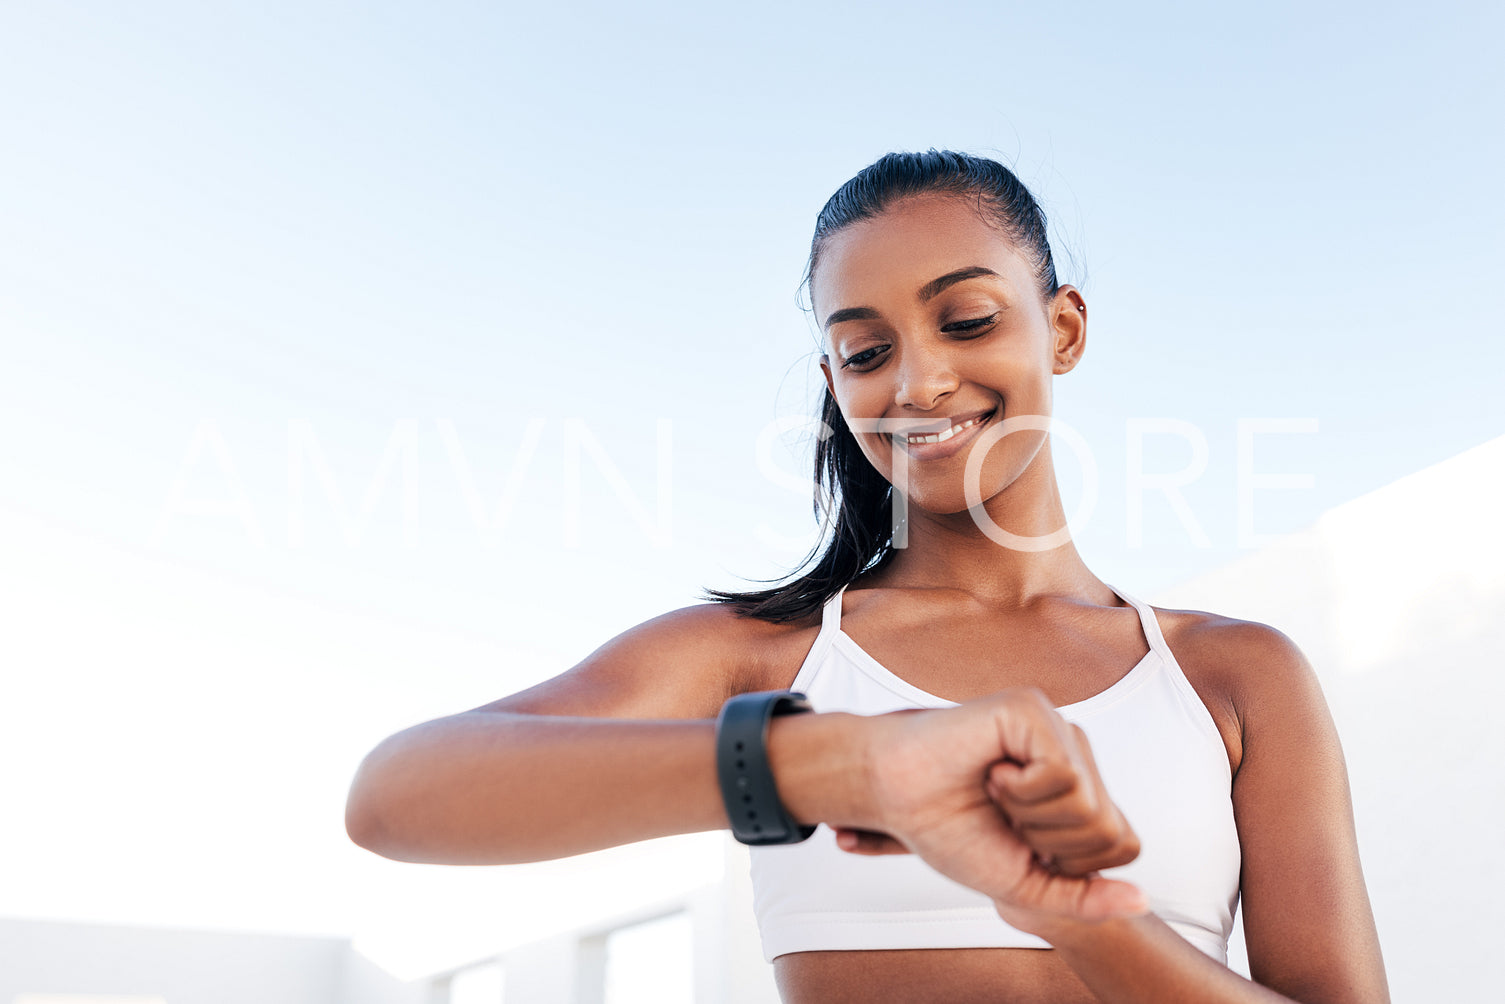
(862, 404)
(876, 448)
(1024, 384)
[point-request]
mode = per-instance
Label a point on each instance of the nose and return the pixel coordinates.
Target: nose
(925, 376)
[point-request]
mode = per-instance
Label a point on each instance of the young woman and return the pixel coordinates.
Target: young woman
(993, 726)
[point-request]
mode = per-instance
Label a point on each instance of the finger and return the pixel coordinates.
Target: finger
(1089, 898)
(1115, 857)
(1085, 849)
(1072, 808)
(1073, 841)
(1087, 858)
(1067, 831)
(1046, 750)
(1124, 840)
(1089, 768)
(1071, 740)
(868, 842)
(1070, 811)
(1063, 793)
(1105, 899)
(1041, 780)
(1109, 898)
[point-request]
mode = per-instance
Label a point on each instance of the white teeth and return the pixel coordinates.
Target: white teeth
(941, 437)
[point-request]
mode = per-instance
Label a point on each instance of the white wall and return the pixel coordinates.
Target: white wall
(1397, 598)
(189, 967)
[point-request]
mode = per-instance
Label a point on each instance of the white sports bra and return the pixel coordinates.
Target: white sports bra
(1161, 758)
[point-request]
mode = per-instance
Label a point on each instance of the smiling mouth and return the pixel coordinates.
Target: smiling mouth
(921, 439)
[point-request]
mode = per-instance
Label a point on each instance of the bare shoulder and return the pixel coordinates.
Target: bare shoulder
(1243, 670)
(755, 654)
(681, 664)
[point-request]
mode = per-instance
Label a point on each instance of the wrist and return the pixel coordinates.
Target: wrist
(1066, 934)
(820, 765)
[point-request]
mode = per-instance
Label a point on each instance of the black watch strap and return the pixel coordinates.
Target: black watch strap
(747, 787)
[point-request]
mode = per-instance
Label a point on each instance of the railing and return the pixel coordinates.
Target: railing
(721, 964)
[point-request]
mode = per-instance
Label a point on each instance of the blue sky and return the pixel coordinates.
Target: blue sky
(455, 219)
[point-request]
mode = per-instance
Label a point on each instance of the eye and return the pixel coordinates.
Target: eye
(866, 359)
(977, 325)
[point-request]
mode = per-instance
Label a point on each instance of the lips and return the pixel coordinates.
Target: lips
(935, 445)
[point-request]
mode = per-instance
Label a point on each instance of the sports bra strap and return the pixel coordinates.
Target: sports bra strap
(830, 618)
(1149, 622)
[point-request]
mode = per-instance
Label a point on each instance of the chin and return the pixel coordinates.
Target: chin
(938, 505)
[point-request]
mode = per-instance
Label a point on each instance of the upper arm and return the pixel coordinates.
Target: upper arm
(1307, 919)
(682, 664)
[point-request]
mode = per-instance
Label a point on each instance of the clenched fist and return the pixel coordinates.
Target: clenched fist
(1002, 795)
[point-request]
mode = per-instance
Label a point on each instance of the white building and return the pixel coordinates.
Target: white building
(1397, 597)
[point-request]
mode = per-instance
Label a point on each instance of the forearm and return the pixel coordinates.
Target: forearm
(1140, 960)
(821, 766)
(488, 787)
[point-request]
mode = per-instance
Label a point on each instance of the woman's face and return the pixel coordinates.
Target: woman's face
(933, 321)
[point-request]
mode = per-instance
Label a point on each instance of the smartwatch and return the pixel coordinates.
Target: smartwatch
(747, 788)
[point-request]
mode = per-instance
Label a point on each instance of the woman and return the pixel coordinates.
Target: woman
(1043, 691)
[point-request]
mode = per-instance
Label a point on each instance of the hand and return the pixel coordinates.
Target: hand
(1001, 794)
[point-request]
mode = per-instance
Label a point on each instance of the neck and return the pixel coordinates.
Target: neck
(952, 549)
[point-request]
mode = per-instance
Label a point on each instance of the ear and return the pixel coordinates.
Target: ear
(1068, 322)
(825, 367)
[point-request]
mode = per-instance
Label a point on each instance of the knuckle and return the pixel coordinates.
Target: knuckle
(1032, 697)
(1121, 852)
(1103, 843)
(1090, 795)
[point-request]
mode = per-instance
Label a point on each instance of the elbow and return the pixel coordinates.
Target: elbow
(368, 824)
(367, 827)
(390, 819)
(412, 800)
(364, 824)
(370, 809)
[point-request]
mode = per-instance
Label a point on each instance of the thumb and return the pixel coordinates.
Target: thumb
(1107, 899)
(1088, 898)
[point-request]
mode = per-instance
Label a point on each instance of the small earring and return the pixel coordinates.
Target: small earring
(1079, 307)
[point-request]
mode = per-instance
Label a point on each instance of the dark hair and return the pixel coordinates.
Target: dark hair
(852, 499)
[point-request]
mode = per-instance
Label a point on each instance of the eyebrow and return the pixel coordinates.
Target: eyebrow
(927, 292)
